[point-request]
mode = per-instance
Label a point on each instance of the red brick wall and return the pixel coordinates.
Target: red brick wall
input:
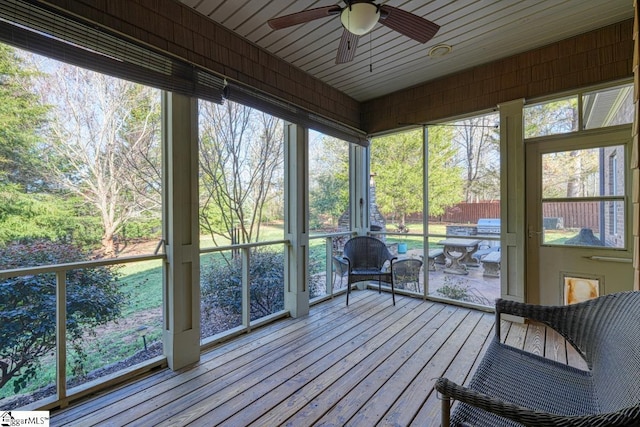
(177, 29)
(599, 56)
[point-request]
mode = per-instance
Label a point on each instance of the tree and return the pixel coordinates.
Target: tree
(29, 216)
(241, 158)
(479, 155)
(28, 307)
(396, 161)
(21, 116)
(396, 164)
(328, 180)
(444, 175)
(103, 144)
(551, 118)
(30, 208)
(571, 173)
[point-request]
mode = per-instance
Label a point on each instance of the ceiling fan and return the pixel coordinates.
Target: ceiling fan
(359, 17)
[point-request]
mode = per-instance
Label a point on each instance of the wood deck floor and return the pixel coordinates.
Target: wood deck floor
(367, 364)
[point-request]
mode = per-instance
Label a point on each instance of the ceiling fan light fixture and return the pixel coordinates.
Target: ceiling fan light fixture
(360, 18)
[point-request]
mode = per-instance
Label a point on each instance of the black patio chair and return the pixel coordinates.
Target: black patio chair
(406, 272)
(368, 259)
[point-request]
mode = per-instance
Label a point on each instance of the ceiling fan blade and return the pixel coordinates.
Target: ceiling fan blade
(347, 48)
(304, 16)
(408, 24)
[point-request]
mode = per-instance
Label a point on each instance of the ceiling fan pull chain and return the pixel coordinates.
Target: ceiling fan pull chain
(349, 22)
(370, 58)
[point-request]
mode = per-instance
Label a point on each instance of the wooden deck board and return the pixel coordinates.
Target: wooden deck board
(353, 345)
(263, 362)
(534, 341)
(461, 366)
(328, 388)
(405, 407)
(555, 346)
(369, 400)
(368, 364)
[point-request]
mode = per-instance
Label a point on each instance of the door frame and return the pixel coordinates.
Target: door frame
(534, 149)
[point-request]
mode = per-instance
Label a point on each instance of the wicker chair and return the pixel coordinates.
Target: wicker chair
(512, 387)
(406, 272)
(340, 270)
(367, 258)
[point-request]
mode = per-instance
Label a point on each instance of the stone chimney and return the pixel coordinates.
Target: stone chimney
(376, 219)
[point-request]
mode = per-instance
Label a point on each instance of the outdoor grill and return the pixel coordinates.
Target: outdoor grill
(489, 226)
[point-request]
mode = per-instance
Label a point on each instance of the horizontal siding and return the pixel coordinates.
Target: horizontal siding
(599, 56)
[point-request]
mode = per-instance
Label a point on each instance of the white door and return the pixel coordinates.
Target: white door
(578, 217)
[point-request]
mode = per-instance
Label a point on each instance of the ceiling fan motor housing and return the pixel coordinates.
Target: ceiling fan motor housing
(359, 17)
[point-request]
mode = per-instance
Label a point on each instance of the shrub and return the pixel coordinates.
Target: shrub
(455, 289)
(222, 284)
(458, 289)
(28, 307)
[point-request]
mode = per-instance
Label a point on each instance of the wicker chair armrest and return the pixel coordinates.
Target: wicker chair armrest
(536, 312)
(529, 417)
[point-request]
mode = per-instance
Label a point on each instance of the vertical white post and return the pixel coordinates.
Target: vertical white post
(296, 209)
(328, 246)
(512, 201)
(425, 209)
(246, 289)
(61, 335)
(181, 270)
(359, 171)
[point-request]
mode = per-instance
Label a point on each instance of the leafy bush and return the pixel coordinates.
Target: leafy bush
(458, 289)
(455, 289)
(221, 284)
(28, 307)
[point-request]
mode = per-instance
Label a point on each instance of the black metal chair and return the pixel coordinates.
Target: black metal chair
(406, 272)
(368, 259)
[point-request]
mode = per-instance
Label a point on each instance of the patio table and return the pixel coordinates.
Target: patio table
(459, 251)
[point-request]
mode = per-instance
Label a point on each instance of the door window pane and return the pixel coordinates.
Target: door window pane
(583, 173)
(583, 197)
(581, 223)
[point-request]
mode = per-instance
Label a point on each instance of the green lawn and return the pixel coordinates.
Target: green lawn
(142, 282)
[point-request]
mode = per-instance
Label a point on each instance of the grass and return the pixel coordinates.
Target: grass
(142, 282)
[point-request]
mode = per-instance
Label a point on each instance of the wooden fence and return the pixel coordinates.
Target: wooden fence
(557, 215)
(574, 214)
(469, 213)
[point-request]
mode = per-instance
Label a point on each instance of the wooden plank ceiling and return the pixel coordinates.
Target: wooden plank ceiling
(479, 31)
